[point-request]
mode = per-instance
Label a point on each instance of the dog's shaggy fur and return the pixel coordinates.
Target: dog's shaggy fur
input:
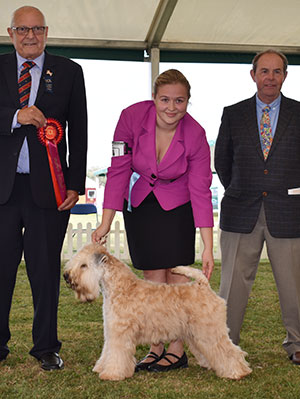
(136, 312)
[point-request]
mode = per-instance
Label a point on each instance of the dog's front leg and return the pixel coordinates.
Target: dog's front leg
(117, 360)
(100, 364)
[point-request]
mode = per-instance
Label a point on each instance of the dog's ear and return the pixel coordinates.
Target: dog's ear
(100, 257)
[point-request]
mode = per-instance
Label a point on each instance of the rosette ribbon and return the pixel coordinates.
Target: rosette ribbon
(50, 136)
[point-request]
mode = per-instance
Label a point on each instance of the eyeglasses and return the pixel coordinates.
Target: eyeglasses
(24, 30)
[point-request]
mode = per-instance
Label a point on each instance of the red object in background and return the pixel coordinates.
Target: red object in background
(90, 195)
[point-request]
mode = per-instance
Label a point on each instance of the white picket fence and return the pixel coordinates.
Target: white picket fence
(78, 236)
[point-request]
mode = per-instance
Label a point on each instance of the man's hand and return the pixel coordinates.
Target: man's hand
(70, 201)
(31, 116)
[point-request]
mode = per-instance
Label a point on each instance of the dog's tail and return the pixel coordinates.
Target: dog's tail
(191, 272)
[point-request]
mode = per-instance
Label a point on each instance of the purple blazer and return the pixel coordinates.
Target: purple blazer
(182, 175)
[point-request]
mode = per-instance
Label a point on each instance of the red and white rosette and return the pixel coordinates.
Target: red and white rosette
(50, 136)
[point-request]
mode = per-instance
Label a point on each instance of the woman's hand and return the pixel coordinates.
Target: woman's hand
(207, 254)
(99, 235)
(207, 263)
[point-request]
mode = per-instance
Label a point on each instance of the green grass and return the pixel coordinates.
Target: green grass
(80, 329)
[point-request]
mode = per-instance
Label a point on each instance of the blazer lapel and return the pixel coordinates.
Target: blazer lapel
(250, 116)
(175, 150)
(47, 76)
(11, 75)
(147, 139)
(283, 120)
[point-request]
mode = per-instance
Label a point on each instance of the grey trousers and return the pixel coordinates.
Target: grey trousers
(240, 258)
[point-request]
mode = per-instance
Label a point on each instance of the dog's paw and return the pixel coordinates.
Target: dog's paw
(110, 372)
(98, 368)
(239, 374)
(111, 376)
(105, 374)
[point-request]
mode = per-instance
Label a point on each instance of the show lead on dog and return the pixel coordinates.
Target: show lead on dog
(40, 95)
(161, 179)
(257, 158)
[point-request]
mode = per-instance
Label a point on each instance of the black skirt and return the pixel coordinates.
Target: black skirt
(160, 239)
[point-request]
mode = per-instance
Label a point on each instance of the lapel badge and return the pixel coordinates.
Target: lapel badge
(48, 79)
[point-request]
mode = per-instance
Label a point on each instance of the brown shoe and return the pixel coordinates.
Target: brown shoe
(295, 358)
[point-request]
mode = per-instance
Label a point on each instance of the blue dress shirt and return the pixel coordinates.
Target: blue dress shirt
(36, 72)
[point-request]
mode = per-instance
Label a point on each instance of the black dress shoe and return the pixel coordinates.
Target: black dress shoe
(295, 358)
(51, 361)
(181, 363)
(3, 356)
(141, 365)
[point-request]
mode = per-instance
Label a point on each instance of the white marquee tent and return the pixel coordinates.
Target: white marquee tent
(166, 26)
(165, 30)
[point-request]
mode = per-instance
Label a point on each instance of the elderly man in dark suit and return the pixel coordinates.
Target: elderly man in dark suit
(257, 158)
(37, 184)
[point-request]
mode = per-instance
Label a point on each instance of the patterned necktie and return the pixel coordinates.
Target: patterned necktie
(24, 83)
(266, 131)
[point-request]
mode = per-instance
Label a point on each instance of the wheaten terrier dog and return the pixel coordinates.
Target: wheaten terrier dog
(136, 311)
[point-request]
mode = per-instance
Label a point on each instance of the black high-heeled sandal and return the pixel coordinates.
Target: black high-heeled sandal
(141, 365)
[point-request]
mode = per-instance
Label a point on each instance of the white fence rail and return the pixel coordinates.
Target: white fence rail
(78, 236)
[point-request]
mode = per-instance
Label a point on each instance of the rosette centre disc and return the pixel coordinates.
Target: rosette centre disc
(50, 132)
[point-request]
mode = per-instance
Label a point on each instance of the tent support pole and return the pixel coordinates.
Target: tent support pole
(155, 58)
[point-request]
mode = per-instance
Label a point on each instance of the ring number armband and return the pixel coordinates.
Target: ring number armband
(120, 148)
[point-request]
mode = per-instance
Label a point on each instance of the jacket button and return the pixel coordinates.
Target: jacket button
(151, 184)
(266, 171)
(264, 193)
(153, 176)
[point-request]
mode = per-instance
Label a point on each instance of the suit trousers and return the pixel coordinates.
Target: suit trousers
(240, 258)
(39, 233)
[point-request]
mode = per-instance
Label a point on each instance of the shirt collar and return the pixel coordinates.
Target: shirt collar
(39, 61)
(276, 103)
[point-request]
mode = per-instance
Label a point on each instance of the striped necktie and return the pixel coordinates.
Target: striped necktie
(266, 131)
(24, 83)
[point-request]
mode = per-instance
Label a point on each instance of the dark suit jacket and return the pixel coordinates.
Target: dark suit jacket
(66, 103)
(249, 180)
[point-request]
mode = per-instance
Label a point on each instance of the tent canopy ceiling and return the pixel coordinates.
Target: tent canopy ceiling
(171, 25)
